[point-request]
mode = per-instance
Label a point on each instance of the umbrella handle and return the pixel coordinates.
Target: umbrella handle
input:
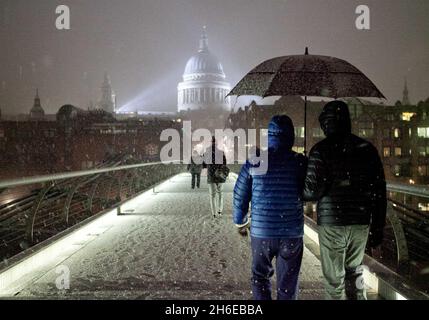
(305, 125)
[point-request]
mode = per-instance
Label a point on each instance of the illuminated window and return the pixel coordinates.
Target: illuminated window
(299, 132)
(423, 132)
(366, 129)
(423, 151)
(406, 116)
(398, 151)
(318, 133)
(397, 133)
(422, 170)
(397, 170)
(423, 206)
(298, 149)
(386, 152)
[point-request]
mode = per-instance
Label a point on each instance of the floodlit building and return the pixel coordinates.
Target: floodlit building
(204, 83)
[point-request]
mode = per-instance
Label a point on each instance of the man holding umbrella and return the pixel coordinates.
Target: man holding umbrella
(345, 176)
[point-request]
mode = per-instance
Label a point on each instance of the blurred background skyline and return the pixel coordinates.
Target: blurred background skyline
(144, 45)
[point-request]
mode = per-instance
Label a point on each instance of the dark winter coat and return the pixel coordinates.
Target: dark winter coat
(277, 207)
(345, 174)
(214, 159)
(195, 168)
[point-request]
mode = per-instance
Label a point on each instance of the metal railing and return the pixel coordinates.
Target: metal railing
(36, 208)
(410, 189)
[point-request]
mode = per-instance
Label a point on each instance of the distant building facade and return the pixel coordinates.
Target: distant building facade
(76, 139)
(400, 132)
(37, 113)
(204, 85)
(108, 97)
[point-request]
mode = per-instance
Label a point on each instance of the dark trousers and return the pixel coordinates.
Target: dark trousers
(197, 177)
(288, 253)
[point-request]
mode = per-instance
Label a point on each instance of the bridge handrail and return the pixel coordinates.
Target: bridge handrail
(74, 174)
(414, 190)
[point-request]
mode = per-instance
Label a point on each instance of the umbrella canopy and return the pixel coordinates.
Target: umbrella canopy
(306, 75)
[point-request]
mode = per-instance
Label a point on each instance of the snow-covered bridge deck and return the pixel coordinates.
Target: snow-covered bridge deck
(165, 246)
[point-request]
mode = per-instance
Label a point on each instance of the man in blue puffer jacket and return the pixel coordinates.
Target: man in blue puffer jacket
(277, 222)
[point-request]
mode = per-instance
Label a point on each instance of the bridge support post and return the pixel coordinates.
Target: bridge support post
(401, 241)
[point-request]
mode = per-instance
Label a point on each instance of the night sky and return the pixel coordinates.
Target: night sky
(144, 45)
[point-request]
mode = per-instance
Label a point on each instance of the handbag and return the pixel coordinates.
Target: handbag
(222, 173)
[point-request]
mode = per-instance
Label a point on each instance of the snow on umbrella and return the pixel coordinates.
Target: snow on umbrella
(306, 75)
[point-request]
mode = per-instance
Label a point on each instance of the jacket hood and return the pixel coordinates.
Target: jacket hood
(335, 119)
(281, 133)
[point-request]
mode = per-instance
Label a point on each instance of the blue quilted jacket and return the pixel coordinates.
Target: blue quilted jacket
(275, 197)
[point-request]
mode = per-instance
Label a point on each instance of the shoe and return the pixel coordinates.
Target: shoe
(219, 214)
(214, 216)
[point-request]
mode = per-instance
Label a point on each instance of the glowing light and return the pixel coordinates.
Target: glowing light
(406, 116)
(400, 296)
(149, 95)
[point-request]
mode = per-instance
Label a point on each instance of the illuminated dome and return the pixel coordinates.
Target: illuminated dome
(204, 63)
(204, 84)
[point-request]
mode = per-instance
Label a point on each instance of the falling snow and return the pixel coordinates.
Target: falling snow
(167, 246)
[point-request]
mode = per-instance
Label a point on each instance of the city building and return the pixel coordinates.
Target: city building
(77, 139)
(108, 97)
(405, 95)
(400, 132)
(204, 85)
(37, 113)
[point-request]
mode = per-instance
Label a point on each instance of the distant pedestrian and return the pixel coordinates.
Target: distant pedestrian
(346, 177)
(217, 173)
(277, 222)
(195, 168)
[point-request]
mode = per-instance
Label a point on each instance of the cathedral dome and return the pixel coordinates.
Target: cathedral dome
(204, 85)
(204, 63)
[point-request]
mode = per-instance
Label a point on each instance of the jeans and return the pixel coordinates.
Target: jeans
(197, 177)
(288, 253)
(216, 197)
(342, 249)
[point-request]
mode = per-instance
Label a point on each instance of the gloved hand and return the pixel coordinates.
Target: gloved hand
(243, 229)
(375, 237)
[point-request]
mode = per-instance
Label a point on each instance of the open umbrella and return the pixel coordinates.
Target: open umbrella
(306, 75)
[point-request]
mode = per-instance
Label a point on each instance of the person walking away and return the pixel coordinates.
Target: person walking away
(215, 162)
(345, 176)
(277, 221)
(195, 168)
